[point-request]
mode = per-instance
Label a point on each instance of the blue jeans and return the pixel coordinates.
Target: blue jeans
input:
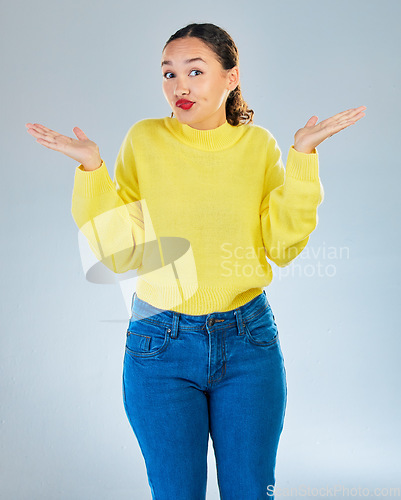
(221, 373)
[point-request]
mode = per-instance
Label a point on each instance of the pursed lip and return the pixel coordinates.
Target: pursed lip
(183, 101)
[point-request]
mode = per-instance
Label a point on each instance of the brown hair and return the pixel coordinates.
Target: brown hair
(218, 40)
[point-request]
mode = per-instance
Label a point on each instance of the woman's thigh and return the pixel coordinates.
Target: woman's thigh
(166, 410)
(247, 408)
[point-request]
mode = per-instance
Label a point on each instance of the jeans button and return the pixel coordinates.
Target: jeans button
(212, 321)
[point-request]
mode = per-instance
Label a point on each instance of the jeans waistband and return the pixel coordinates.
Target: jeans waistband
(142, 310)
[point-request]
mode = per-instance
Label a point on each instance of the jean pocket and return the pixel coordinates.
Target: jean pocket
(262, 329)
(146, 339)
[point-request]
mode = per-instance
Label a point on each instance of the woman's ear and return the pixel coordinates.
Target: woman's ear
(234, 77)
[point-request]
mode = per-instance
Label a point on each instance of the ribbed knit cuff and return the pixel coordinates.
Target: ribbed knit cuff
(89, 183)
(303, 166)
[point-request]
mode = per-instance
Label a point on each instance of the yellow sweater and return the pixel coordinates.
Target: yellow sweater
(196, 212)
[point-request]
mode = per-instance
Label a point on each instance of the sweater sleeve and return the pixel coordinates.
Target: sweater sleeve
(288, 211)
(109, 212)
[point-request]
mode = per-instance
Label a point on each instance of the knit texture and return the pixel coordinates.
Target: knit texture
(196, 212)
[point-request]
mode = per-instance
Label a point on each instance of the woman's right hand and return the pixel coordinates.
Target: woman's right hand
(82, 150)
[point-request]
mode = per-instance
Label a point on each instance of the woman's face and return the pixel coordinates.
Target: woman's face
(204, 82)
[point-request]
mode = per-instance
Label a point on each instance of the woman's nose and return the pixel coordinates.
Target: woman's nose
(181, 88)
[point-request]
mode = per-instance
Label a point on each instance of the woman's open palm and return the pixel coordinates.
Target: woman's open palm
(309, 137)
(82, 150)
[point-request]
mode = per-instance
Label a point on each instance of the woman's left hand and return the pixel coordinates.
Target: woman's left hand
(307, 138)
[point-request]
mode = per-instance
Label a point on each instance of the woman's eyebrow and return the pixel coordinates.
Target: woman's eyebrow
(187, 61)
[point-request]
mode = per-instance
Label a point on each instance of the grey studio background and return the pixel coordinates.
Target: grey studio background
(64, 433)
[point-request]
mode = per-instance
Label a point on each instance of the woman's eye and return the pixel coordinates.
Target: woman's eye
(170, 73)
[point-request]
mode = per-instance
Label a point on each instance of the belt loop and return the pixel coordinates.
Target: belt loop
(174, 326)
(238, 317)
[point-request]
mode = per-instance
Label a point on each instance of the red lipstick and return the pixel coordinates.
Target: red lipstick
(184, 104)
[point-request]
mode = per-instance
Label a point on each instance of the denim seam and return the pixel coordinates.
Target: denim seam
(146, 354)
(262, 344)
(223, 371)
(256, 313)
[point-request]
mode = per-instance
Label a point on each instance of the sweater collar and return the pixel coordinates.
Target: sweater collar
(214, 139)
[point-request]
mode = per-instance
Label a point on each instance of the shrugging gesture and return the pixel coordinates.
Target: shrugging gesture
(307, 138)
(82, 150)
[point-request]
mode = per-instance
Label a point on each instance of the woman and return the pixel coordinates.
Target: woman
(198, 201)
